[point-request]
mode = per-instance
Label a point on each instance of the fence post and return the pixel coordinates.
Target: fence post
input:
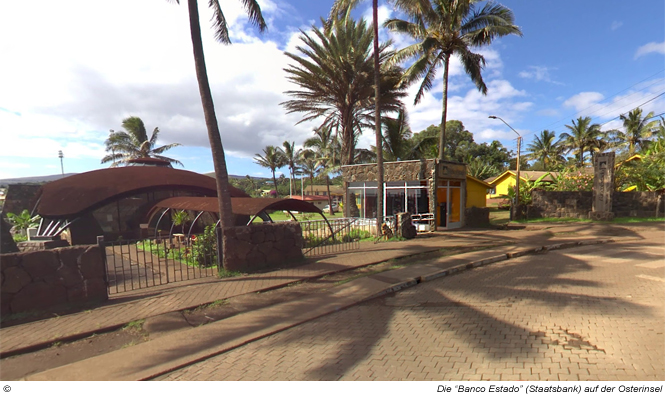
(102, 250)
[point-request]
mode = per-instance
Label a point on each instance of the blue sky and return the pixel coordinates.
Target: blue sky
(75, 69)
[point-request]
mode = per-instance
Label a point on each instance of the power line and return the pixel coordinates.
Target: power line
(613, 95)
(646, 102)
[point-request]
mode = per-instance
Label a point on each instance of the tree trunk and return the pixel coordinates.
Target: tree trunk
(274, 181)
(218, 158)
(330, 204)
(377, 121)
(444, 99)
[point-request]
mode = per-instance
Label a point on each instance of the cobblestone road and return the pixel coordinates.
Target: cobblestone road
(591, 313)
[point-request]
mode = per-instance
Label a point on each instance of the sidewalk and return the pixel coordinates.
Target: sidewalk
(23, 338)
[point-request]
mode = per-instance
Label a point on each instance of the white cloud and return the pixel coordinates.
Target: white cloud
(548, 112)
(82, 85)
(538, 73)
(616, 24)
(584, 100)
(652, 47)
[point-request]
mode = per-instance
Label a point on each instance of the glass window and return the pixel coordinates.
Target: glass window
(395, 184)
(354, 200)
(370, 203)
(394, 201)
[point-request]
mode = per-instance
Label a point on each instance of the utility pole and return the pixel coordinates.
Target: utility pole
(519, 146)
(62, 167)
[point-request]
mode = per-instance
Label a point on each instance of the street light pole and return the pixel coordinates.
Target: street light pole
(62, 167)
(519, 146)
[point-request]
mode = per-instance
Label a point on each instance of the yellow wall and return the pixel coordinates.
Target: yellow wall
(475, 194)
(502, 186)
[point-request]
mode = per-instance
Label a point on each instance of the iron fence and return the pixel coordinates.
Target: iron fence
(138, 264)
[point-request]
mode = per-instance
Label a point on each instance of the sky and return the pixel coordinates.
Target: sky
(72, 70)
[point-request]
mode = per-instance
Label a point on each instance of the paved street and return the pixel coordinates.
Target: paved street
(589, 313)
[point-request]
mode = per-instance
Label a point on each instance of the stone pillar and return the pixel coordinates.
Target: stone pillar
(603, 186)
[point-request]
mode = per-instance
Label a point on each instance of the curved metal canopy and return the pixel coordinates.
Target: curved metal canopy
(71, 196)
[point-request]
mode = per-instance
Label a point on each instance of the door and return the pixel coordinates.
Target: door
(442, 206)
(455, 207)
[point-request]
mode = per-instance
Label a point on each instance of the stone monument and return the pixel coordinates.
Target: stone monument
(603, 186)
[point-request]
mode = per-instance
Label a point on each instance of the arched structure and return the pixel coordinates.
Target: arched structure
(245, 209)
(115, 202)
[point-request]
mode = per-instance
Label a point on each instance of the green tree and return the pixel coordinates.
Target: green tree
(180, 218)
(310, 166)
(637, 130)
(583, 137)
(323, 147)
(546, 149)
(335, 80)
(222, 35)
(272, 159)
(133, 143)
(290, 156)
(443, 28)
(397, 138)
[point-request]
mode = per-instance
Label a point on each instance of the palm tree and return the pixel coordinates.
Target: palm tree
(339, 7)
(272, 159)
(133, 143)
(290, 156)
(396, 138)
(222, 35)
(546, 149)
(583, 137)
(637, 130)
(336, 81)
(308, 164)
(323, 145)
(444, 28)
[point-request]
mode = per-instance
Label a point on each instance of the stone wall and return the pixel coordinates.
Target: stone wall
(392, 171)
(477, 217)
(51, 279)
(579, 204)
(262, 246)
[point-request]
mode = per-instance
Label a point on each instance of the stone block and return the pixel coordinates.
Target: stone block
(70, 275)
(92, 265)
(258, 236)
(97, 290)
(38, 296)
(9, 260)
(15, 279)
(5, 303)
(40, 264)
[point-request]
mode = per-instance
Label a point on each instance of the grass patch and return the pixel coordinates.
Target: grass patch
(631, 220)
(619, 220)
(137, 325)
(223, 273)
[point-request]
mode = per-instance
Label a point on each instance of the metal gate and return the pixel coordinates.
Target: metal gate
(138, 264)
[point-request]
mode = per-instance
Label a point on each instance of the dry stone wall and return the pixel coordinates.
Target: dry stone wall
(548, 204)
(262, 246)
(47, 280)
(392, 171)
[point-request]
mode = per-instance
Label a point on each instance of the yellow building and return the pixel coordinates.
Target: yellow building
(501, 183)
(476, 192)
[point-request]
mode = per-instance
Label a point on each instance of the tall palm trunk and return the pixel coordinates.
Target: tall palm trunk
(444, 114)
(377, 121)
(219, 161)
(330, 203)
(274, 181)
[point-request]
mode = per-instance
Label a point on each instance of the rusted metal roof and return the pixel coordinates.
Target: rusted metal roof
(240, 205)
(79, 193)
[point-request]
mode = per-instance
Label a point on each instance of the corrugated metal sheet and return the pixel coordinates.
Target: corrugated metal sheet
(79, 193)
